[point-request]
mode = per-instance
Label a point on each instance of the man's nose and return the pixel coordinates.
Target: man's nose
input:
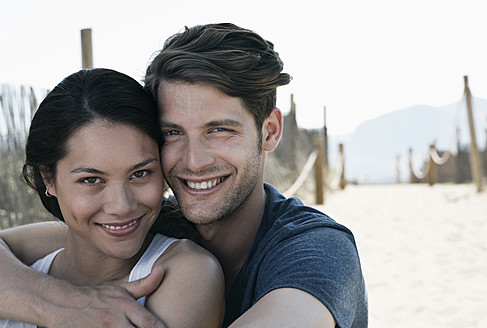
(198, 155)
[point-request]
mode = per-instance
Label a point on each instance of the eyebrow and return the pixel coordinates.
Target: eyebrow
(165, 125)
(225, 122)
(83, 169)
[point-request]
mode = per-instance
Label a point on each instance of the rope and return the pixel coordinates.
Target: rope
(475, 106)
(437, 159)
(484, 122)
(433, 153)
(307, 169)
(440, 160)
(304, 174)
(419, 174)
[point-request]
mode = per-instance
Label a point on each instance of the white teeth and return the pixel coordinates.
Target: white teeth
(119, 227)
(203, 185)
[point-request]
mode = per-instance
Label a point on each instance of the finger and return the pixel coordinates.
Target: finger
(145, 286)
(141, 317)
(145, 320)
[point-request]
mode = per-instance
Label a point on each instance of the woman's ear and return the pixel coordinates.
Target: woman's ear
(272, 130)
(50, 189)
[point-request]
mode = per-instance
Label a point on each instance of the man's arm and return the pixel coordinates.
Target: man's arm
(306, 276)
(286, 307)
(29, 296)
(31, 242)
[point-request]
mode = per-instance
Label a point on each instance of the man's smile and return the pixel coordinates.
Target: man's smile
(204, 184)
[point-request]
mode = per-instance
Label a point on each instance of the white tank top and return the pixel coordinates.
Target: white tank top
(142, 269)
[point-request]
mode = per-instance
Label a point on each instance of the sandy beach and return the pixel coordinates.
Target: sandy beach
(423, 251)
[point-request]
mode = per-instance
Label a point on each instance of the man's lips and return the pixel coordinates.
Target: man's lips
(203, 185)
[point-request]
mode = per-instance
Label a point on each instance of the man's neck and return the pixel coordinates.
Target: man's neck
(231, 238)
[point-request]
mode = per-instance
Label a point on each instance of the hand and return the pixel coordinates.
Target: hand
(111, 305)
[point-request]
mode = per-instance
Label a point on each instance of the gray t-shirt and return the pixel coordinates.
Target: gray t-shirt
(299, 247)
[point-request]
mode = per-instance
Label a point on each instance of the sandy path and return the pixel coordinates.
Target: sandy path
(423, 251)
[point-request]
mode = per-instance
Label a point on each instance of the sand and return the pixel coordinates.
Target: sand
(423, 251)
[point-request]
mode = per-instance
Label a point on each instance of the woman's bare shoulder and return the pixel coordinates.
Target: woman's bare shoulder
(185, 253)
(192, 293)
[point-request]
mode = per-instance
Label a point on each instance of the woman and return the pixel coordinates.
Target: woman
(93, 156)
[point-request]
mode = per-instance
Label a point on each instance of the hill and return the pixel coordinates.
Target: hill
(371, 152)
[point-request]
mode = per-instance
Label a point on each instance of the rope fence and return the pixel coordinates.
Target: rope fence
(435, 160)
(315, 161)
(310, 162)
(416, 173)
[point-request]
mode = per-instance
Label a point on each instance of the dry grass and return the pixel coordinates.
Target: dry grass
(18, 203)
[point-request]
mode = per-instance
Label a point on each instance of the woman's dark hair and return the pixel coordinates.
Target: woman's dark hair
(80, 99)
(234, 60)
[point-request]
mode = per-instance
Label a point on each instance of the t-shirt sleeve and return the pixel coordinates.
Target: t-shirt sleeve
(322, 262)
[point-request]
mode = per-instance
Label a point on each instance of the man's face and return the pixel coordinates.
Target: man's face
(210, 156)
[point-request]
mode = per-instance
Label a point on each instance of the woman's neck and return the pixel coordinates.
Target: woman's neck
(83, 264)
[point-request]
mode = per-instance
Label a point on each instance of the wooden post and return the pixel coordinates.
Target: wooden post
(412, 178)
(86, 49)
(485, 148)
(293, 134)
(474, 152)
(319, 176)
(343, 182)
(398, 169)
(325, 141)
(432, 171)
(457, 158)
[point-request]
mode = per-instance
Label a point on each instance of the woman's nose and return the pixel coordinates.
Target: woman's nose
(120, 200)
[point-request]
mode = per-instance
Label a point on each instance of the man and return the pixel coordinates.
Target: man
(285, 264)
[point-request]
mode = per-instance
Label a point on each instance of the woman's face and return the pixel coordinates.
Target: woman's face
(109, 187)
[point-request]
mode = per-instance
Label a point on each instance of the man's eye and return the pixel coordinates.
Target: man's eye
(221, 130)
(172, 133)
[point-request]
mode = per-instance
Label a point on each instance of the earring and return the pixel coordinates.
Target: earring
(47, 193)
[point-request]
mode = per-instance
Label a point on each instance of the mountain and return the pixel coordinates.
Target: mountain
(371, 152)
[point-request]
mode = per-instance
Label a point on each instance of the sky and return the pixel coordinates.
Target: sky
(359, 59)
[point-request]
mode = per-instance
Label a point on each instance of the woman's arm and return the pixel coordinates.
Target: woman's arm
(192, 293)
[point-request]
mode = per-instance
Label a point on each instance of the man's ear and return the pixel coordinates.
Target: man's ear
(272, 130)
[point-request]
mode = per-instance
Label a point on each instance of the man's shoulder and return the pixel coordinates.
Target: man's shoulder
(288, 220)
(282, 211)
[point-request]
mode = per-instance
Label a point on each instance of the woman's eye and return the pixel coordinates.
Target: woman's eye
(141, 174)
(90, 180)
